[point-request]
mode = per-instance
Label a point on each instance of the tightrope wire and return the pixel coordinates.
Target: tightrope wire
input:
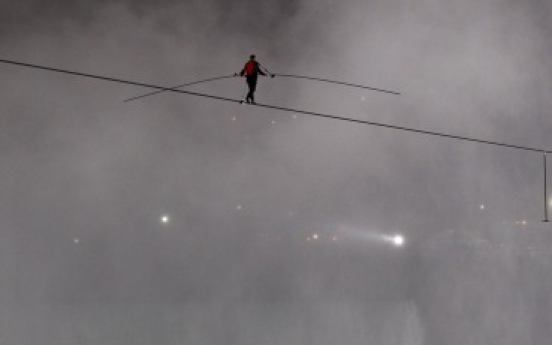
(298, 111)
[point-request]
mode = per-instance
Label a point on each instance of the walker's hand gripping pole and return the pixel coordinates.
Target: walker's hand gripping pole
(267, 71)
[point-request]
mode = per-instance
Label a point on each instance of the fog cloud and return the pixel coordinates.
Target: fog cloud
(275, 221)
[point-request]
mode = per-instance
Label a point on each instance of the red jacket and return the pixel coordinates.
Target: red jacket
(251, 69)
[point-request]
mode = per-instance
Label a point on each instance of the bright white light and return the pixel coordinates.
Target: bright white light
(482, 207)
(398, 240)
(165, 219)
(76, 241)
(364, 235)
(315, 236)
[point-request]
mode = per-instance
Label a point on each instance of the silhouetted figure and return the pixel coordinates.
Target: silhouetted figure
(251, 70)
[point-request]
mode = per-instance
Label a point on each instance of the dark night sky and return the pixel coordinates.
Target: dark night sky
(279, 228)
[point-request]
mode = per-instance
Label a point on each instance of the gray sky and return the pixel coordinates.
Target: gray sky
(280, 228)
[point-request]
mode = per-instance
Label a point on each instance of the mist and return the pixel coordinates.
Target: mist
(175, 219)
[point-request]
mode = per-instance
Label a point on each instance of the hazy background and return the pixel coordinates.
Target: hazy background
(85, 178)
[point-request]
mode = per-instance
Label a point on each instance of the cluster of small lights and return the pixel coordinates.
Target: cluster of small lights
(317, 237)
(313, 237)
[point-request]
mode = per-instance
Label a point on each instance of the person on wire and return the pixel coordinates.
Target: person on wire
(251, 71)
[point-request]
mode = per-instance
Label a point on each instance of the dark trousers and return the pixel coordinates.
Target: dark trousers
(252, 83)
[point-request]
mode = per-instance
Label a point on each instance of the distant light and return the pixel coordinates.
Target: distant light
(239, 207)
(334, 238)
(273, 122)
(234, 118)
(76, 241)
(398, 240)
(165, 219)
(482, 207)
(315, 236)
(524, 222)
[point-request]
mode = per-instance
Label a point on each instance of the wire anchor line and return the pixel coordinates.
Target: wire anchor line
(546, 219)
(336, 82)
(274, 107)
(179, 86)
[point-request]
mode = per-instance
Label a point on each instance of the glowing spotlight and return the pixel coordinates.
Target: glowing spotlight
(165, 219)
(366, 235)
(315, 236)
(398, 240)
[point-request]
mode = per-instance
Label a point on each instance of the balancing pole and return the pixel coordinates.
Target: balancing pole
(181, 85)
